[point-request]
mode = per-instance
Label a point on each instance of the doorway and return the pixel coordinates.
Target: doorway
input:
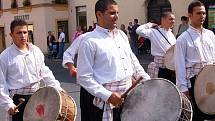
(2, 39)
(156, 7)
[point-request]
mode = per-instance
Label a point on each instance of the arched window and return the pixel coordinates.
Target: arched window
(156, 7)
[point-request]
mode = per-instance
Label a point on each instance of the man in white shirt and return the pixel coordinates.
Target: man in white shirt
(105, 67)
(194, 49)
(162, 39)
(61, 41)
(70, 55)
(21, 69)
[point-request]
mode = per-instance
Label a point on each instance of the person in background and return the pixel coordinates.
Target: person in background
(50, 42)
(106, 66)
(129, 30)
(183, 26)
(61, 41)
(162, 39)
(22, 67)
(134, 37)
(77, 33)
(122, 27)
(194, 48)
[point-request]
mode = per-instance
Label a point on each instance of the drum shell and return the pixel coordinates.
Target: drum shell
(47, 104)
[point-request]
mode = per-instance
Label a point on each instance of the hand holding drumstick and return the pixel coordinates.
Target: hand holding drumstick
(14, 110)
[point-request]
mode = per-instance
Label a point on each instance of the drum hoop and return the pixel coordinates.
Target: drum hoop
(75, 113)
(195, 95)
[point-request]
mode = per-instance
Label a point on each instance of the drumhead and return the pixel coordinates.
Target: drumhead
(44, 105)
(154, 100)
(204, 90)
(169, 60)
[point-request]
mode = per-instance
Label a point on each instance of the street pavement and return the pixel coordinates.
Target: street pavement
(69, 83)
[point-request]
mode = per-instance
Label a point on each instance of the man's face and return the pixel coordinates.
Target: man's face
(197, 17)
(109, 18)
(169, 20)
(20, 36)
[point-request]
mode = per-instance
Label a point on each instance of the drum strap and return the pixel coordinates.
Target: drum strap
(164, 36)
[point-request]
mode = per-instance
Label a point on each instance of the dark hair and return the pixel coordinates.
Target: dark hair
(194, 4)
(101, 5)
(184, 18)
(17, 22)
(165, 14)
(136, 20)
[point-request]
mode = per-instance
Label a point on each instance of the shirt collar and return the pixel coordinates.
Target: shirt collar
(106, 31)
(196, 30)
(30, 45)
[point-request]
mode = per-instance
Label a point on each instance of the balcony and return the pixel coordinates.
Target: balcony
(60, 5)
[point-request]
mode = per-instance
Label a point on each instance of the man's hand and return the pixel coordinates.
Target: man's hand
(115, 99)
(155, 26)
(13, 110)
(72, 69)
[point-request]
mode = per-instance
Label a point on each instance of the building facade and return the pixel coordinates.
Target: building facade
(50, 15)
(42, 16)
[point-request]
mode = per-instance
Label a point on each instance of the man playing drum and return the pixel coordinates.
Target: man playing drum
(106, 66)
(194, 49)
(162, 39)
(21, 69)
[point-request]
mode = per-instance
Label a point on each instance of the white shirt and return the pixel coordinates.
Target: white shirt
(186, 54)
(105, 56)
(69, 54)
(19, 69)
(159, 44)
(61, 37)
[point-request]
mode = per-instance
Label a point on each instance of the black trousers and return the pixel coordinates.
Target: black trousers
(197, 114)
(89, 112)
(19, 116)
(167, 74)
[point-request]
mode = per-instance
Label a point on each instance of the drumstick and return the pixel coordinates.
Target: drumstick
(21, 101)
(132, 86)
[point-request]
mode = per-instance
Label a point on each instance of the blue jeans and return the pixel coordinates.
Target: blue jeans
(61, 50)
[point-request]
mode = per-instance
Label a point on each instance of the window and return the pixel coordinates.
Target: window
(14, 4)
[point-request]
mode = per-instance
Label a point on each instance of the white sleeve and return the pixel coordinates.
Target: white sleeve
(138, 69)
(47, 75)
(180, 65)
(145, 30)
(85, 72)
(5, 101)
(69, 54)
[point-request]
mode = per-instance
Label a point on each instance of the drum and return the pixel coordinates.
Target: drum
(47, 104)
(169, 58)
(204, 90)
(156, 100)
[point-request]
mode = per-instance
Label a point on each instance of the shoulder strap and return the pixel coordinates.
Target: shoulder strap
(163, 36)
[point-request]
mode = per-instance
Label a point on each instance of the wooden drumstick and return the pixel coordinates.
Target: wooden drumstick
(132, 87)
(21, 101)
